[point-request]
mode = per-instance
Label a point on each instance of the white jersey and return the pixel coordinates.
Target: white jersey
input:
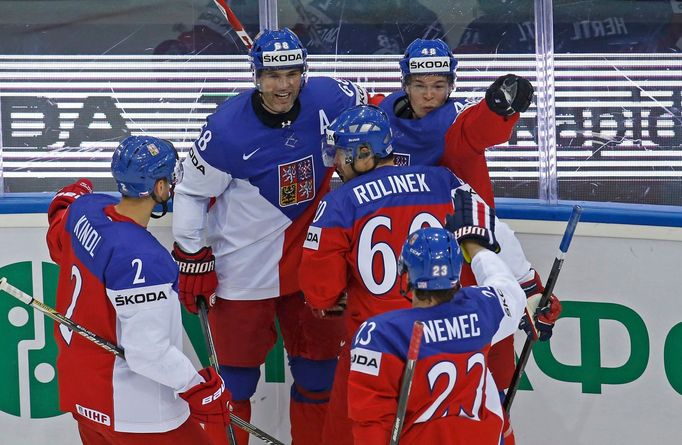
(266, 181)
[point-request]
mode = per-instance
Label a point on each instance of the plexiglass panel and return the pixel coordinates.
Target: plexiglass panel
(78, 76)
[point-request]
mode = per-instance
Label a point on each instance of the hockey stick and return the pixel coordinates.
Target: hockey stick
(110, 347)
(212, 356)
(549, 288)
(406, 385)
(59, 318)
(234, 22)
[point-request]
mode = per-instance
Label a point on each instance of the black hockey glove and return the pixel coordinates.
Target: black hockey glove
(473, 220)
(509, 94)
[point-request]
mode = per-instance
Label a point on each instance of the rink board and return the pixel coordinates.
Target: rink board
(611, 374)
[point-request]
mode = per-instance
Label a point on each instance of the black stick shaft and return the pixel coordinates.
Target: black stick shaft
(114, 349)
(212, 356)
(549, 288)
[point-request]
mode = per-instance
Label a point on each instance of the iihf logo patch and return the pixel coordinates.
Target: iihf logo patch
(401, 159)
(296, 182)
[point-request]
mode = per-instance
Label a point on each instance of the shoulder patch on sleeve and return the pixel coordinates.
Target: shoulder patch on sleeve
(365, 361)
(312, 239)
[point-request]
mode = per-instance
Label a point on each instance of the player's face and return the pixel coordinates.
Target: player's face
(279, 89)
(426, 93)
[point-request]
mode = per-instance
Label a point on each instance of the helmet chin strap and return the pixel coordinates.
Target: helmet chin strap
(405, 292)
(164, 204)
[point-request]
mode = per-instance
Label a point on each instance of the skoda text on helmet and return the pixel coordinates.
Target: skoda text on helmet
(278, 50)
(139, 161)
(432, 259)
(359, 126)
(428, 57)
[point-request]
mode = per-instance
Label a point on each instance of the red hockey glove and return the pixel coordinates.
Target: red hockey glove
(334, 311)
(375, 99)
(473, 220)
(509, 94)
(543, 317)
(197, 276)
(209, 402)
(68, 194)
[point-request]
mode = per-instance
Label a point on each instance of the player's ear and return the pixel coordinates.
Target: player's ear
(364, 152)
(159, 185)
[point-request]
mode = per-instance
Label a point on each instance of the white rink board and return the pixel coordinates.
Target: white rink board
(610, 269)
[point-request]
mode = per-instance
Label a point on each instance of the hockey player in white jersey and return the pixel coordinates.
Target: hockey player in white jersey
(259, 157)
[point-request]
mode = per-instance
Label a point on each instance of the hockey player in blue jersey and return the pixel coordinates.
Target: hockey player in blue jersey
(117, 280)
(433, 129)
(360, 227)
(259, 157)
(454, 397)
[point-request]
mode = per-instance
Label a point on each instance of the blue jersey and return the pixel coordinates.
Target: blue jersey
(118, 281)
(454, 135)
(454, 398)
(420, 141)
(358, 232)
(266, 182)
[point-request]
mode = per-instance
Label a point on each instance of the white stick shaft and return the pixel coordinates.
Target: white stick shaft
(16, 293)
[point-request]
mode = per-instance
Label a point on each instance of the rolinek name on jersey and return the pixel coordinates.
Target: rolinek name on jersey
(408, 183)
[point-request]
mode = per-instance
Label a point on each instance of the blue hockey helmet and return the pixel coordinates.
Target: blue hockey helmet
(432, 259)
(277, 50)
(424, 56)
(358, 126)
(139, 161)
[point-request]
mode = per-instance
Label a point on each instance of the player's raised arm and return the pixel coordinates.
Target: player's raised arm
(473, 225)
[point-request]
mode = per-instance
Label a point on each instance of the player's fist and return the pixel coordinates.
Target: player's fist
(335, 311)
(543, 318)
(509, 94)
(473, 220)
(197, 276)
(68, 194)
(209, 402)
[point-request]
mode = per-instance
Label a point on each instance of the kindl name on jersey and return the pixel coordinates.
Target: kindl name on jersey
(446, 329)
(407, 183)
(86, 235)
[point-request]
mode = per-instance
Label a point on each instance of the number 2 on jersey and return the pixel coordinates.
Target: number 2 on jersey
(468, 400)
(77, 287)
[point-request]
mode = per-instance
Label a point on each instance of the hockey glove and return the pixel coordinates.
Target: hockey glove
(334, 311)
(375, 99)
(197, 276)
(509, 94)
(473, 220)
(543, 317)
(209, 402)
(67, 195)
